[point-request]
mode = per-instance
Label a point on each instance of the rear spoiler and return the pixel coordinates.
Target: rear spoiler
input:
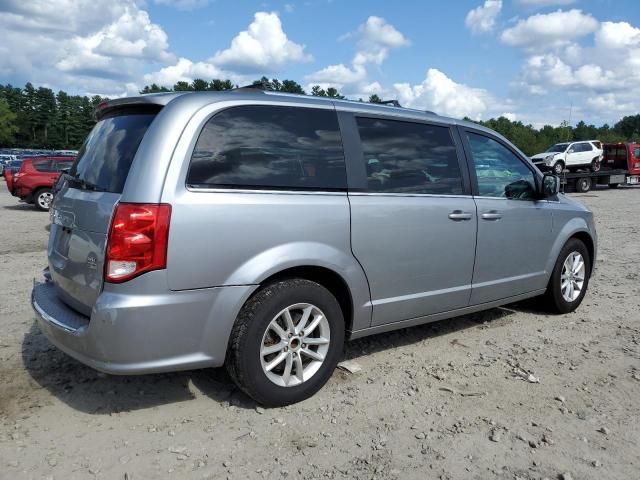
(152, 102)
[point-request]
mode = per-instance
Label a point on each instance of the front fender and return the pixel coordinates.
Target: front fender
(304, 254)
(572, 227)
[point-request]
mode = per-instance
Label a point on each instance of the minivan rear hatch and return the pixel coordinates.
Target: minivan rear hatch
(82, 208)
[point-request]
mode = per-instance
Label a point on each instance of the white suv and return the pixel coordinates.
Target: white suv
(570, 155)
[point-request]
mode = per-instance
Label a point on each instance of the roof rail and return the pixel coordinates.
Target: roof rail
(394, 103)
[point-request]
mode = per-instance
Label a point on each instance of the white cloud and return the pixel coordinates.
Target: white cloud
(509, 116)
(184, 71)
(263, 47)
(549, 30)
(442, 95)
(338, 75)
(183, 4)
(619, 35)
(483, 18)
(375, 38)
(289, 7)
(544, 3)
(90, 45)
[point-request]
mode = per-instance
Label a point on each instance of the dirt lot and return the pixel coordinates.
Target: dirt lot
(438, 401)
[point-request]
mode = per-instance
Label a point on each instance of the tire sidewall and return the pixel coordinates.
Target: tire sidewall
(573, 245)
(287, 293)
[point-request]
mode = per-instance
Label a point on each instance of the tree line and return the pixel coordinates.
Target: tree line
(39, 118)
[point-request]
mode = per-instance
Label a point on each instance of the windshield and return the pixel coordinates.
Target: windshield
(558, 147)
(105, 158)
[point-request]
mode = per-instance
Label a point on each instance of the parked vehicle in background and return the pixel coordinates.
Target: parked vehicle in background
(5, 159)
(67, 153)
(260, 230)
(10, 170)
(34, 182)
(570, 155)
(626, 157)
(620, 166)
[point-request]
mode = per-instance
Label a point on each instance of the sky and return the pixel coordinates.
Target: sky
(537, 61)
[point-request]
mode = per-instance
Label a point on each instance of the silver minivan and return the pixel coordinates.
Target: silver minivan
(260, 230)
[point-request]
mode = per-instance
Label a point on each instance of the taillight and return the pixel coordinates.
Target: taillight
(137, 241)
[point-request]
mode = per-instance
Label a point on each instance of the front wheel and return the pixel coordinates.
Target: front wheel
(595, 165)
(570, 277)
(43, 199)
(286, 342)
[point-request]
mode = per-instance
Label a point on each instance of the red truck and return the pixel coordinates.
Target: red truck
(620, 165)
(35, 179)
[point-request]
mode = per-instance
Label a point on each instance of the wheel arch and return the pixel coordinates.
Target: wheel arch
(324, 276)
(575, 228)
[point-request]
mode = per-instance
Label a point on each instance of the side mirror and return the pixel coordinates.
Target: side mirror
(550, 185)
(571, 150)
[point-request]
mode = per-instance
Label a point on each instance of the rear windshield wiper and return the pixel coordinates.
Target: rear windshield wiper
(82, 184)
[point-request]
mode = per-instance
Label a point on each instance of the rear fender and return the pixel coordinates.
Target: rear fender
(310, 254)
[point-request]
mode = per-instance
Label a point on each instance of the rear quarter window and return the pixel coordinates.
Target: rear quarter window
(269, 147)
(105, 157)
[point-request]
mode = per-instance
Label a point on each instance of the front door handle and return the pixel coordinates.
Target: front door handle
(458, 215)
(491, 215)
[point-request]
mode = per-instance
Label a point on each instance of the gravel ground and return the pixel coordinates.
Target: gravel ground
(446, 400)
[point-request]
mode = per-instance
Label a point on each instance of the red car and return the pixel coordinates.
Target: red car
(35, 179)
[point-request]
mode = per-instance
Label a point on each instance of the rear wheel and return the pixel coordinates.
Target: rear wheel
(43, 199)
(595, 165)
(558, 167)
(570, 277)
(286, 342)
(583, 185)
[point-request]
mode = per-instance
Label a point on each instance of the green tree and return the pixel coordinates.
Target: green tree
(199, 85)
(220, 85)
(153, 88)
(8, 127)
(374, 99)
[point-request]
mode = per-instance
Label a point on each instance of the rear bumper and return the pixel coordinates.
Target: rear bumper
(132, 333)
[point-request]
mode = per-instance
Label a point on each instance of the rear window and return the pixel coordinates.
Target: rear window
(105, 157)
(273, 147)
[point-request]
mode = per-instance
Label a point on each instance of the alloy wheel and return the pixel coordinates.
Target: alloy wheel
(295, 345)
(572, 277)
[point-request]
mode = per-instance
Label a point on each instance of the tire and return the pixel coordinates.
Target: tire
(42, 199)
(252, 332)
(595, 165)
(583, 185)
(554, 296)
(558, 167)
(614, 185)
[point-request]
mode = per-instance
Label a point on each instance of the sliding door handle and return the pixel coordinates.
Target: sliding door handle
(491, 215)
(458, 215)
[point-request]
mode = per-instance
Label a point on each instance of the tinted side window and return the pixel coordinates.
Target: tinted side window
(405, 157)
(59, 166)
(42, 165)
(636, 152)
(263, 146)
(585, 147)
(499, 171)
